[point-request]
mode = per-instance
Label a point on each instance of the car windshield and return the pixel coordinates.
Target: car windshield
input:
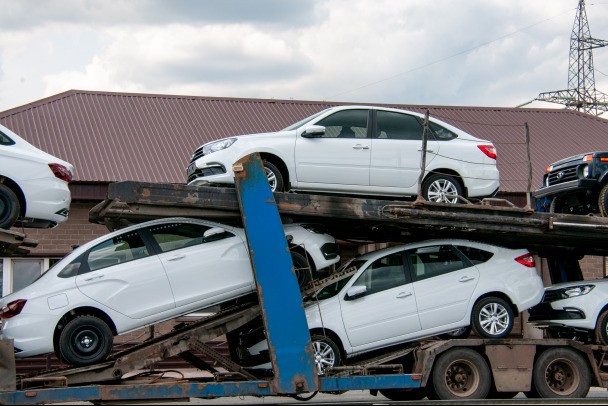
(302, 122)
(333, 289)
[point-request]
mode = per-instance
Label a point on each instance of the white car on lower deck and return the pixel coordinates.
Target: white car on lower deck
(142, 275)
(410, 292)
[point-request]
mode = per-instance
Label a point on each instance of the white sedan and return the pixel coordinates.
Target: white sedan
(359, 150)
(138, 276)
(34, 185)
(411, 292)
(575, 310)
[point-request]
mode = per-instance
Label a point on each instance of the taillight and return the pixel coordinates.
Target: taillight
(526, 260)
(12, 309)
(61, 172)
(489, 150)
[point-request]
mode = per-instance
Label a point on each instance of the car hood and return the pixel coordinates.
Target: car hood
(572, 158)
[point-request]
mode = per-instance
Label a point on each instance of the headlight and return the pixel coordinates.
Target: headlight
(586, 171)
(218, 145)
(574, 291)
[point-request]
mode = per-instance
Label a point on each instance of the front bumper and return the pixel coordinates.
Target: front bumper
(572, 186)
(544, 312)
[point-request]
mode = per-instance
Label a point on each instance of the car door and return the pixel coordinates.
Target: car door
(204, 265)
(122, 274)
(444, 281)
(396, 151)
(340, 156)
(387, 311)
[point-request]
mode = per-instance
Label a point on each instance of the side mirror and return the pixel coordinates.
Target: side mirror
(314, 131)
(355, 292)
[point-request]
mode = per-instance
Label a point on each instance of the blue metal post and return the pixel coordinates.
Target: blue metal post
(280, 299)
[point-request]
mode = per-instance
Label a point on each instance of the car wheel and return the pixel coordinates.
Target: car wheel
(301, 268)
(399, 395)
(326, 353)
(275, 178)
(441, 189)
(456, 334)
(603, 201)
(561, 373)
(601, 328)
(460, 373)
(9, 207)
(492, 318)
(85, 340)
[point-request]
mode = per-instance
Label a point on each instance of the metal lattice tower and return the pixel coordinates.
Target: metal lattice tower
(581, 94)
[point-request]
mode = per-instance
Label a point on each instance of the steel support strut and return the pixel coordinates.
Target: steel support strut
(290, 348)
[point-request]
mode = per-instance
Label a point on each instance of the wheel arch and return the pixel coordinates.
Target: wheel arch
(333, 336)
(302, 251)
(500, 295)
(450, 172)
(81, 311)
(12, 185)
(280, 164)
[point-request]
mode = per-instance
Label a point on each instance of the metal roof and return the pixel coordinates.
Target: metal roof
(150, 138)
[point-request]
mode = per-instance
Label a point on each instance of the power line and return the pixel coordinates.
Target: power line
(447, 57)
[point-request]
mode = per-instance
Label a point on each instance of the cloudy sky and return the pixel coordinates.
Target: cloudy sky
(437, 52)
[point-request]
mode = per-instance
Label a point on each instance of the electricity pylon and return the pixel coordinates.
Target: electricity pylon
(581, 94)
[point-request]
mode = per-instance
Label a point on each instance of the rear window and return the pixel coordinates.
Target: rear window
(476, 255)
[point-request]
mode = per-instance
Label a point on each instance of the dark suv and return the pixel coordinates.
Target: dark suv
(577, 185)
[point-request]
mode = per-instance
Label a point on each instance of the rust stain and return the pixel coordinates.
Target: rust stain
(146, 192)
(270, 201)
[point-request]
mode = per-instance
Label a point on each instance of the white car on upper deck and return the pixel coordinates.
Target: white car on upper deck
(33, 184)
(359, 150)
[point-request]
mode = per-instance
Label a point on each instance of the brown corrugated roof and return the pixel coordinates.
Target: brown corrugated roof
(124, 136)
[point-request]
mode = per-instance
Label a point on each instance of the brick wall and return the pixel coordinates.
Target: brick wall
(58, 241)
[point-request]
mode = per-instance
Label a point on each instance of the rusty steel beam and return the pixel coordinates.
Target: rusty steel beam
(366, 219)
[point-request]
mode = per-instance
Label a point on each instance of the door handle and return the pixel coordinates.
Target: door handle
(93, 277)
(359, 146)
(404, 294)
(428, 150)
(466, 279)
(176, 257)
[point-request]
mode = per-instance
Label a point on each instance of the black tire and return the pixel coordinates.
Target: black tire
(561, 373)
(399, 395)
(602, 201)
(459, 373)
(438, 188)
(9, 207)
(601, 328)
(301, 268)
(456, 334)
(85, 340)
(492, 317)
(275, 177)
(325, 352)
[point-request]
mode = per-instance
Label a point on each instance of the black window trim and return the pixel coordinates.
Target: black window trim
(466, 261)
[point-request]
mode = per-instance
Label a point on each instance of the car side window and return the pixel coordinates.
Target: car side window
(475, 255)
(72, 268)
(120, 249)
(441, 133)
(397, 126)
(5, 139)
(351, 123)
(384, 273)
(175, 236)
(436, 260)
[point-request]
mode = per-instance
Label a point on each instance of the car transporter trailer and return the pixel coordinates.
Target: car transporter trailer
(449, 369)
